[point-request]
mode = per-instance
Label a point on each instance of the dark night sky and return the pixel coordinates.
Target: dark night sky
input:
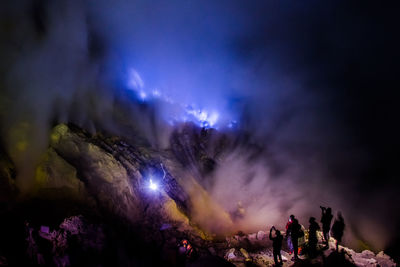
(310, 81)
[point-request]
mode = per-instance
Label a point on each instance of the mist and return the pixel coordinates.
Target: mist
(311, 86)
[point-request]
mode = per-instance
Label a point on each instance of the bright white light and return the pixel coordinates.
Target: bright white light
(142, 95)
(153, 186)
(203, 117)
(213, 118)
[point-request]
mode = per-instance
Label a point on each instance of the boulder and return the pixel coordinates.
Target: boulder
(230, 255)
(384, 260)
(261, 235)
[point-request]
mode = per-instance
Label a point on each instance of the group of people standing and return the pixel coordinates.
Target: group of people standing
(294, 231)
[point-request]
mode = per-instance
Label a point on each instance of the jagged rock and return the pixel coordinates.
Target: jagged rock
(384, 260)
(74, 225)
(104, 177)
(252, 237)
(198, 149)
(230, 255)
(90, 236)
(368, 258)
(285, 258)
(261, 235)
(244, 253)
(367, 254)
(57, 177)
(8, 189)
(73, 235)
(116, 174)
(262, 256)
(263, 260)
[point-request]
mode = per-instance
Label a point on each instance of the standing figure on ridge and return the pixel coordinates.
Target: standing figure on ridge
(326, 220)
(293, 232)
(312, 236)
(276, 245)
(338, 229)
(288, 239)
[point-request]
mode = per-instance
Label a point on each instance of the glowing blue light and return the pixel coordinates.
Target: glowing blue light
(213, 118)
(142, 94)
(232, 124)
(135, 82)
(205, 124)
(175, 111)
(203, 117)
(153, 186)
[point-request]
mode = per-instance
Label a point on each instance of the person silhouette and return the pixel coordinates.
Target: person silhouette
(312, 236)
(276, 245)
(287, 236)
(338, 229)
(326, 220)
(293, 232)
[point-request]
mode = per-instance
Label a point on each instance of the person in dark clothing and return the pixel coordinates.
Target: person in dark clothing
(312, 236)
(338, 229)
(326, 220)
(288, 239)
(293, 232)
(276, 245)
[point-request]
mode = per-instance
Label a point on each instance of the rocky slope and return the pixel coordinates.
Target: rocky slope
(92, 195)
(255, 249)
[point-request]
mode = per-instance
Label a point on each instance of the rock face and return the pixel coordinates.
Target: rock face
(111, 172)
(104, 177)
(8, 189)
(107, 179)
(55, 175)
(198, 149)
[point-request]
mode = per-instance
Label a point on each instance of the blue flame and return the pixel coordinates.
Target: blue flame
(179, 112)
